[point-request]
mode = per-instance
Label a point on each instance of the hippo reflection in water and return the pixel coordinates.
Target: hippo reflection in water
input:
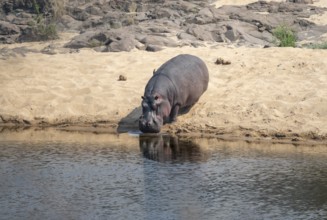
(173, 89)
(165, 148)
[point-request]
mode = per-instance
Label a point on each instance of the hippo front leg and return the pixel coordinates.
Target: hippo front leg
(174, 113)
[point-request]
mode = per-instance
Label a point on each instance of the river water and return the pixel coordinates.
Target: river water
(61, 175)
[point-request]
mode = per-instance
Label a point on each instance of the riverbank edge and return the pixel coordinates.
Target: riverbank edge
(240, 134)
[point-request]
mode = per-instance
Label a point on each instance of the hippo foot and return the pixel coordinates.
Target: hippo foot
(173, 120)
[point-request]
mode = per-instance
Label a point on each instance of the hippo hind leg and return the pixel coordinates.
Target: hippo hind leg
(177, 110)
(185, 109)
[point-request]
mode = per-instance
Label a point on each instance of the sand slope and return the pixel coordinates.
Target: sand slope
(264, 93)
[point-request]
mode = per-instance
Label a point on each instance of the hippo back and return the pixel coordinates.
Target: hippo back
(189, 75)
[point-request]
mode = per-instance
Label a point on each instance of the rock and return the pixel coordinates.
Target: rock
(122, 78)
(140, 35)
(94, 10)
(6, 53)
(7, 28)
(92, 22)
(260, 6)
(159, 41)
(21, 18)
(23, 21)
(140, 17)
(114, 41)
(250, 34)
(186, 36)
(87, 39)
(28, 34)
(8, 6)
(78, 13)
(115, 24)
(125, 6)
(101, 49)
(221, 61)
(9, 39)
(231, 34)
(200, 32)
(155, 23)
(301, 1)
(165, 13)
(127, 43)
(24, 15)
(68, 22)
(209, 32)
(205, 12)
(158, 29)
(204, 16)
(23, 50)
(187, 7)
(50, 50)
(119, 20)
(140, 46)
(280, 135)
(153, 48)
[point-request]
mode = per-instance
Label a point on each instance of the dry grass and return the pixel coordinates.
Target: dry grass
(55, 7)
(58, 8)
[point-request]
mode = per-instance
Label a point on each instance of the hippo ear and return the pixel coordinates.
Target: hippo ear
(154, 71)
(142, 97)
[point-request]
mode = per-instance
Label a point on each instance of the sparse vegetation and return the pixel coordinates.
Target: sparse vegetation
(285, 36)
(95, 43)
(322, 45)
(44, 21)
(47, 31)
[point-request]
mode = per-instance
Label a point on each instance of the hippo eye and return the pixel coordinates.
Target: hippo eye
(156, 97)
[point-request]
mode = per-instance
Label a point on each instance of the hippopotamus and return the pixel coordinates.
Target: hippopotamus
(173, 89)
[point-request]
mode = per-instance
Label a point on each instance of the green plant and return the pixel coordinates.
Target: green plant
(44, 27)
(285, 36)
(95, 43)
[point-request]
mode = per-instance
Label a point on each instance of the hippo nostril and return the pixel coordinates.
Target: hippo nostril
(148, 124)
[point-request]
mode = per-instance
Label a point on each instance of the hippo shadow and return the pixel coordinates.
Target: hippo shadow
(165, 148)
(130, 121)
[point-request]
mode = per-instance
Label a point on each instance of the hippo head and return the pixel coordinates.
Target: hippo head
(155, 110)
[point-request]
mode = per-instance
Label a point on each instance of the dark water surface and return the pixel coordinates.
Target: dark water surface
(63, 175)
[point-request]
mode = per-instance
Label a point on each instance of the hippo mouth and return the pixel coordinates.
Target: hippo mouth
(150, 126)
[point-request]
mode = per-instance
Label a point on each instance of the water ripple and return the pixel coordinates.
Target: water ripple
(165, 178)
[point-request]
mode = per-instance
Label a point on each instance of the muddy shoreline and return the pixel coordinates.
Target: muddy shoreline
(235, 135)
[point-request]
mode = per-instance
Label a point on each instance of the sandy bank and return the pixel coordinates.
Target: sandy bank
(272, 93)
